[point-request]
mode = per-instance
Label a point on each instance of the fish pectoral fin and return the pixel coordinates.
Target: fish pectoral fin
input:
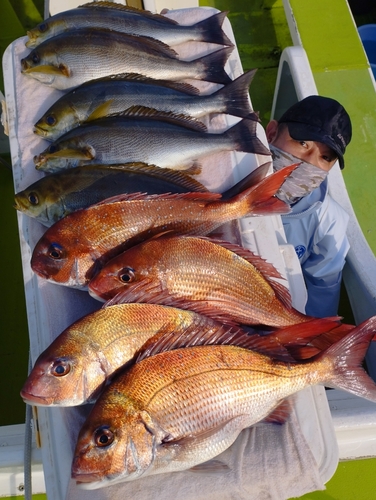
(199, 437)
(101, 111)
(211, 466)
(48, 69)
(86, 153)
(194, 169)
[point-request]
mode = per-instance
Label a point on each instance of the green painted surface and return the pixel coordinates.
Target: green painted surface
(35, 497)
(339, 66)
(353, 480)
(261, 33)
(14, 331)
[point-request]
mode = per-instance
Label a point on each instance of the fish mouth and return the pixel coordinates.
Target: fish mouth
(96, 296)
(38, 130)
(42, 273)
(85, 477)
(18, 205)
(35, 400)
(89, 480)
(32, 40)
(40, 160)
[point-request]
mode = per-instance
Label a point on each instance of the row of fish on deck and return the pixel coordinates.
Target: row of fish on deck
(194, 328)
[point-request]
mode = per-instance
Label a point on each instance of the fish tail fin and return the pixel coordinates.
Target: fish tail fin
(214, 66)
(347, 355)
(211, 29)
(260, 199)
(235, 96)
(244, 137)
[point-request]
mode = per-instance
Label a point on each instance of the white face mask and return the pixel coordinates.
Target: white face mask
(302, 181)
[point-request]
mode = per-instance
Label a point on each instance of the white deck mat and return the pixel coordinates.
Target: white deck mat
(266, 462)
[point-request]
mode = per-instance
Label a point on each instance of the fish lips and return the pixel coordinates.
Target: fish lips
(34, 400)
(39, 130)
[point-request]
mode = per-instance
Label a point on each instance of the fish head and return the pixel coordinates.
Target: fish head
(116, 443)
(46, 29)
(62, 256)
(45, 63)
(70, 372)
(68, 153)
(43, 200)
(134, 267)
(32, 203)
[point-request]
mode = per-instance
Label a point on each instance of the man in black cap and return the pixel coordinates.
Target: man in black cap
(314, 132)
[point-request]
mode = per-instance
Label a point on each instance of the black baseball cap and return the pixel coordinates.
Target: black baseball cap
(320, 119)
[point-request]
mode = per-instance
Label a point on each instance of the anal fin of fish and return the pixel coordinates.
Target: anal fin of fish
(281, 413)
(210, 467)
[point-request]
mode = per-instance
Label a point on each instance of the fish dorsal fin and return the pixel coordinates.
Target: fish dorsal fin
(166, 116)
(165, 173)
(205, 197)
(151, 44)
(146, 291)
(187, 88)
(128, 8)
(220, 334)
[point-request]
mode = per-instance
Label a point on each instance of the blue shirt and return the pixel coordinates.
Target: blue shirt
(316, 228)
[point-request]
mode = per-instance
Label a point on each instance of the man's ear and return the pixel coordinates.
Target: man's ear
(271, 130)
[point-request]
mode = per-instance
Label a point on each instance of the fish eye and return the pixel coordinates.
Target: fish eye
(103, 436)
(33, 198)
(35, 57)
(56, 251)
(50, 120)
(60, 368)
(127, 275)
(52, 149)
(43, 27)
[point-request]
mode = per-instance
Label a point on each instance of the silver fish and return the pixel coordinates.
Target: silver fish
(111, 15)
(105, 96)
(145, 137)
(72, 58)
